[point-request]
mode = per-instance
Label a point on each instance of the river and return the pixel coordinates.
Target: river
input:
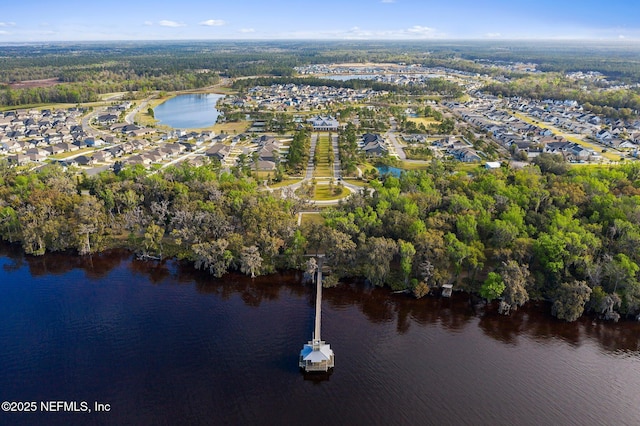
(192, 111)
(164, 344)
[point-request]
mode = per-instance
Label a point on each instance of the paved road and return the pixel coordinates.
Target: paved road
(312, 154)
(130, 118)
(337, 168)
(391, 137)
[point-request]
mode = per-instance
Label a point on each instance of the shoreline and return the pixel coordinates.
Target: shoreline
(153, 263)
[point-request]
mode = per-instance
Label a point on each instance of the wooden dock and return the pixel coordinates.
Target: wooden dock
(317, 354)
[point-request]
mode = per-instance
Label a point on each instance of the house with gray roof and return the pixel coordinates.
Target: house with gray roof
(324, 123)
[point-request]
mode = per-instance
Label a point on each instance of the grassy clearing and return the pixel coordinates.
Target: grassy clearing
(144, 119)
(467, 167)
(65, 155)
(406, 165)
(426, 121)
(311, 219)
(115, 96)
(232, 128)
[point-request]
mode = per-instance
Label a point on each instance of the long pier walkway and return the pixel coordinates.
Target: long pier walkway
(317, 355)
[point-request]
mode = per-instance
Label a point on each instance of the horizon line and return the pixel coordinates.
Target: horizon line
(355, 40)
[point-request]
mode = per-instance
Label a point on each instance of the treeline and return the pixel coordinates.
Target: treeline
(89, 87)
(218, 221)
(62, 93)
(615, 60)
(431, 86)
(110, 67)
(614, 104)
(570, 238)
(298, 155)
(538, 233)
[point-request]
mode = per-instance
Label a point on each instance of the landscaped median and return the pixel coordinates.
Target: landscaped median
(322, 191)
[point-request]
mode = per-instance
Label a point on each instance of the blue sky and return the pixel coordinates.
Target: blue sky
(72, 20)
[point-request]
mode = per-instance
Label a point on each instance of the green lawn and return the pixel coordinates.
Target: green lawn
(323, 168)
(64, 155)
(426, 121)
(356, 182)
(324, 194)
(232, 128)
(414, 166)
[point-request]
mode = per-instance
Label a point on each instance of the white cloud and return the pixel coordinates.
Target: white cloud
(3, 32)
(171, 24)
(247, 30)
(213, 23)
(357, 33)
(7, 24)
(493, 35)
(421, 31)
(148, 23)
(387, 1)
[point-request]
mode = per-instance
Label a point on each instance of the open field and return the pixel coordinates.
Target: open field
(113, 96)
(143, 118)
(425, 121)
(30, 84)
(407, 165)
(232, 128)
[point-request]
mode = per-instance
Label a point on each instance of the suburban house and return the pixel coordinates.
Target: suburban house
(106, 119)
(84, 160)
(373, 144)
(603, 135)
(94, 142)
(324, 123)
(569, 150)
(466, 155)
(219, 151)
(102, 156)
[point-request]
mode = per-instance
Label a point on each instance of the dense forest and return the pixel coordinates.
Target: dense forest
(542, 232)
(613, 103)
(85, 70)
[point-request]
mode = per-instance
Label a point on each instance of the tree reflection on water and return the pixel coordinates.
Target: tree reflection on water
(378, 305)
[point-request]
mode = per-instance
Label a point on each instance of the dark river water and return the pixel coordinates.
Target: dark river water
(164, 345)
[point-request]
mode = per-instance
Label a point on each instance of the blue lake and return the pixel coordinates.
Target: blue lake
(394, 171)
(189, 111)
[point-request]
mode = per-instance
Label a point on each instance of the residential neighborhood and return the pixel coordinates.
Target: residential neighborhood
(522, 128)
